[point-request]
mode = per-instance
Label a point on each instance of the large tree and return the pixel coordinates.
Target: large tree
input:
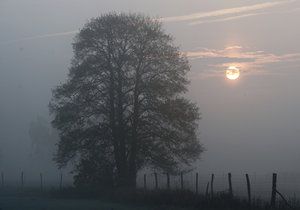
(123, 107)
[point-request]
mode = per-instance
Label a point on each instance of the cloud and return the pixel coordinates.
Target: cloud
(67, 33)
(226, 14)
(251, 62)
(233, 47)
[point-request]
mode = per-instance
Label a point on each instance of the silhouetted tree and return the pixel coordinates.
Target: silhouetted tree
(124, 98)
(43, 138)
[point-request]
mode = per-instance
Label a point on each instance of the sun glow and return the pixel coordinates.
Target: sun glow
(232, 73)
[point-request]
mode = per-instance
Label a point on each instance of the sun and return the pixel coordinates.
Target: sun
(232, 73)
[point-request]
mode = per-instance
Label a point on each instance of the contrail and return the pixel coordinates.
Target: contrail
(40, 37)
(227, 18)
(241, 16)
(223, 12)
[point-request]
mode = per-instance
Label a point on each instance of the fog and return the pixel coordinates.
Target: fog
(248, 125)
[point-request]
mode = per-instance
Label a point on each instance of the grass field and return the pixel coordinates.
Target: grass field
(39, 203)
(72, 199)
(44, 203)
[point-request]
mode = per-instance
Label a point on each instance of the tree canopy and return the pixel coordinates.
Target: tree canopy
(122, 107)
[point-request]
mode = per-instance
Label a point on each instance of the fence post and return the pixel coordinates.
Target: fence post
(2, 179)
(156, 181)
(230, 185)
(41, 180)
(207, 187)
(212, 185)
(248, 189)
(61, 182)
(197, 183)
(181, 180)
(145, 182)
(168, 181)
(274, 190)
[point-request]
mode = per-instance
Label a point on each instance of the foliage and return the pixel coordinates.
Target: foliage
(124, 98)
(94, 172)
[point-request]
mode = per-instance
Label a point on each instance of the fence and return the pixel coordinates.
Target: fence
(43, 181)
(249, 186)
(269, 187)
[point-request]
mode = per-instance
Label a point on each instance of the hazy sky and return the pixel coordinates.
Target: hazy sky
(249, 125)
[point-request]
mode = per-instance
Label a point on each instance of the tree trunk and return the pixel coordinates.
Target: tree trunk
(134, 140)
(121, 170)
(124, 175)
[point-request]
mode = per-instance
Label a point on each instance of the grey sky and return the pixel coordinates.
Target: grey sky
(252, 124)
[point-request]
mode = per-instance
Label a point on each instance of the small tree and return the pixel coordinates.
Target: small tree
(124, 98)
(43, 138)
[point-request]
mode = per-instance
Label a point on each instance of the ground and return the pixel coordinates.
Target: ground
(40, 203)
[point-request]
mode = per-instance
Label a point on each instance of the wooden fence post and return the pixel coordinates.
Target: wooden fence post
(181, 180)
(212, 185)
(274, 190)
(248, 189)
(230, 185)
(197, 179)
(61, 182)
(145, 182)
(207, 188)
(41, 179)
(156, 181)
(2, 179)
(168, 181)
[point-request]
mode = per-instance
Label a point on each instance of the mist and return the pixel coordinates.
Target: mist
(248, 126)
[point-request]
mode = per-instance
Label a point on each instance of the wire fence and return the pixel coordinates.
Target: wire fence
(288, 184)
(260, 184)
(42, 181)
